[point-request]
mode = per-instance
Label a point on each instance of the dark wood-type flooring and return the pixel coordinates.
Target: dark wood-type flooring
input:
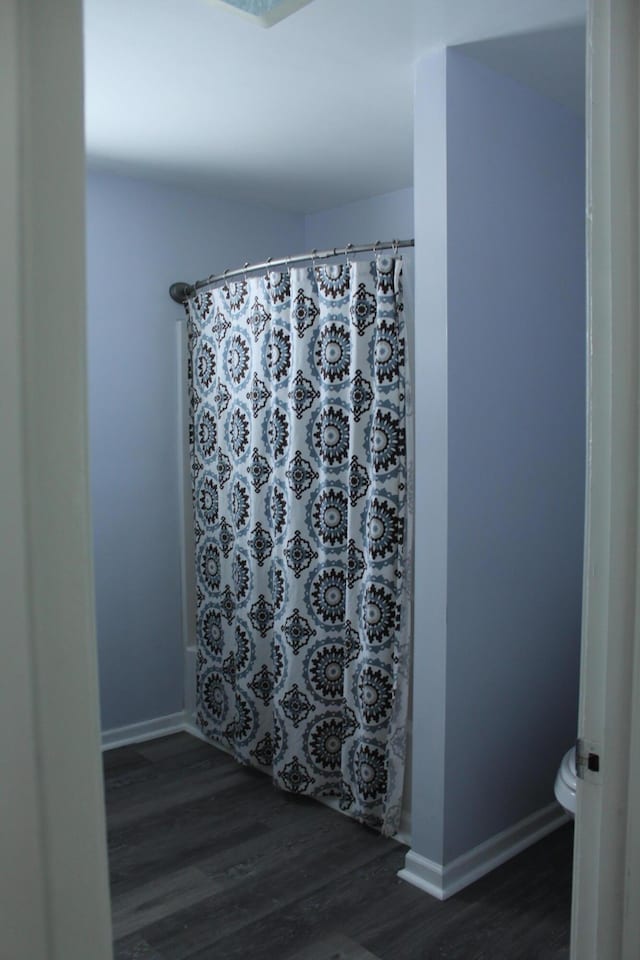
(210, 862)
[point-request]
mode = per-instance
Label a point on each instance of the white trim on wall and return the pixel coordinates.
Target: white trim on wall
(145, 730)
(443, 881)
(153, 729)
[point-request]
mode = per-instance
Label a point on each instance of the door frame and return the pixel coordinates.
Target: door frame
(54, 894)
(605, 921)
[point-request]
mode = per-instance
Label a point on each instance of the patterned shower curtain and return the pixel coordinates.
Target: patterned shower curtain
(299, 467)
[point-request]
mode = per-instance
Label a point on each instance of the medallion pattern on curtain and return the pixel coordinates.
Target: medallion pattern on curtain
(299, 469)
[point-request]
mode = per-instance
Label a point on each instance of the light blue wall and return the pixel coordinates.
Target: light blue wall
(500, 396)
(140, 238)
(516, 424)
(386, 217)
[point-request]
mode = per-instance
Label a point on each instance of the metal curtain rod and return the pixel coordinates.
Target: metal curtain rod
(180, 292)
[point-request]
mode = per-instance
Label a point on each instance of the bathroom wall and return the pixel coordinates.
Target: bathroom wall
(386, 217)
(141, 236)
(500, 396)
(516, 417)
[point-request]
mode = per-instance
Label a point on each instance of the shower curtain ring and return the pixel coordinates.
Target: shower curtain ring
(314, 254)
(348, 247)
(244, 274)
(374, 248)
(394, 244)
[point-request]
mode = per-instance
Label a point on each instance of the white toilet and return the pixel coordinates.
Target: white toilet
(565, 787)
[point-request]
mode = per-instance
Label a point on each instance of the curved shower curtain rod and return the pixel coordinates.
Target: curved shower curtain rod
(180, 292)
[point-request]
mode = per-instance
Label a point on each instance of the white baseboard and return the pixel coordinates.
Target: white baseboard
(423, 873)
(147, 730)
(443, 881)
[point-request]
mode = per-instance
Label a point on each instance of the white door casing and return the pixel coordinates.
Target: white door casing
(605, 922)
(54, 899)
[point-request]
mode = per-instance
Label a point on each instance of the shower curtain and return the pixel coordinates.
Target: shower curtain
(298, 391)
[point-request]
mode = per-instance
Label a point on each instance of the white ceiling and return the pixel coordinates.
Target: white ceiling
(309, 114)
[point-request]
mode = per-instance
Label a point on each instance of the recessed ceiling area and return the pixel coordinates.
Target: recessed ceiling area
(315, 112)
(264, 12)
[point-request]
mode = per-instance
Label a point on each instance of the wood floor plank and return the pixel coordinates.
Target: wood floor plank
(335, 947)
(181, 846)
(210, 862)
(271, 886)
(134, 909)
(174, 745)
(168, 789)
(300, 923)
(521, 910)
(219, 797)
(122, 758)
(121, 776)
(134, 948)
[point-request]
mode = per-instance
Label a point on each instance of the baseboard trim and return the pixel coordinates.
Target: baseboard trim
(147, 730)
(443, 881)
(423, 873)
